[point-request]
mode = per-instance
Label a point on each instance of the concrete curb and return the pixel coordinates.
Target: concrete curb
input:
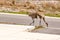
(16, 32)
(18, 27)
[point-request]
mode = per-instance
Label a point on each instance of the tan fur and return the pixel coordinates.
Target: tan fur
(33, 15)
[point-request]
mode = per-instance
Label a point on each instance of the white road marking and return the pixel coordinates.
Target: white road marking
(26, 15)
(14, 32)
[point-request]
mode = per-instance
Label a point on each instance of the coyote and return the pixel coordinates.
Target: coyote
(35, 13)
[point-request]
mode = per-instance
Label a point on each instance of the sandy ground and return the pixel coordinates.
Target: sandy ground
(18, 32)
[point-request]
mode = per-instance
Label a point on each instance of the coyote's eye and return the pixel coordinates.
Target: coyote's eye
(24, 5)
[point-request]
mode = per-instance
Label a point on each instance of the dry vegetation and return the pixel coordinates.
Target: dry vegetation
(52, 7)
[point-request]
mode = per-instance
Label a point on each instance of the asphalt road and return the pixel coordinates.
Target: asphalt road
(53, 28)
